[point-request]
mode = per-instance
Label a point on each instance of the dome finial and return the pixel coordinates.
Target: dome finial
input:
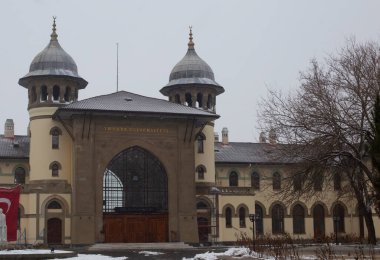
(54, 35)
(191, 43)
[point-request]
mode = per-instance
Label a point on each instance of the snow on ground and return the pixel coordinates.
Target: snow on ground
(236, 252)
(149, 253)
(47, 251)
(30, 252)
(93, 257)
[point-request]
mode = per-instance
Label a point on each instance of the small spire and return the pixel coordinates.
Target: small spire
(54, 35)
(191, 43)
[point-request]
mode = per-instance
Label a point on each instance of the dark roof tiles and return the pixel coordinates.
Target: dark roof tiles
(123, 101)
(235, 152)
(17, 148)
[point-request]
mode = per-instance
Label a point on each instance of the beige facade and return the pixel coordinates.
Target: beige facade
(207, 189)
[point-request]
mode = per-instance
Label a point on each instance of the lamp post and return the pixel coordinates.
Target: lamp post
(336, 221)
(253, 218)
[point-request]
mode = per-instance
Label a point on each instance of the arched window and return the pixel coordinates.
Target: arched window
(209, 102)
(20, 175)
(242, 217)
(199, 100)
(259, 214)
(54, 205)
(44, 93)
(255, 181)
(233, 179)
(318, 182)
(228, 216)
(67, 95)
(56, 93)
(277, 219)
(276, 181)
(55, 133)
(55, 167)
(189, 100)
(337, 181)
(177, 99)
(200, 143)
(338, 218)
(298, 219)
(201, 172)
(297, 182)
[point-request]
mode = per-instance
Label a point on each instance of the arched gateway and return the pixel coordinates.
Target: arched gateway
(135, 198)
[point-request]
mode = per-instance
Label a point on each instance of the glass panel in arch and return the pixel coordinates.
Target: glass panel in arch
(112, 192)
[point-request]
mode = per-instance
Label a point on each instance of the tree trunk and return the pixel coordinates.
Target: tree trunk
(370, 227)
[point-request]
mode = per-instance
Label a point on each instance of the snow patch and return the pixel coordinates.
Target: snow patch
(236, 252)
(31, 252)
(149, 253)
(93, 257)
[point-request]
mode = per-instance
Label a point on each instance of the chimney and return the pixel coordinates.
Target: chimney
(216, 137)
(272, 136)
(9, 127)
(224, 135)
(262, 138)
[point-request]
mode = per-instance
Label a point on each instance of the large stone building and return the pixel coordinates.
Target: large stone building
(128, 168)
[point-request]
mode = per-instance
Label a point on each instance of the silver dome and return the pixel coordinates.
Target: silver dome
(191, 69)
(53, 61)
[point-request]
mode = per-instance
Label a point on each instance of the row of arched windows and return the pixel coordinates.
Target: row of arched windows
(298, 215)
(198, 101)
(58, 94)
(276, 181)
(20, 172)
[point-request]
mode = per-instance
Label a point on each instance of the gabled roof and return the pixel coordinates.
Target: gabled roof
(130, 103)
(17, 148)
(253, 153)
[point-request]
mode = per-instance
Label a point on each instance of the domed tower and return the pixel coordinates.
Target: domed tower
(192, 83)
(52, 81)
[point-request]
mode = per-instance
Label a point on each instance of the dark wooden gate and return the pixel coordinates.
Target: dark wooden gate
(54, 231)
(135, 228)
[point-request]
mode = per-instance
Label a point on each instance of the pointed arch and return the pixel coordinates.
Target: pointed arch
(137, 182)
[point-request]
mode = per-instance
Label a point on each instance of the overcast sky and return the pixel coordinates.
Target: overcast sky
(252, 46)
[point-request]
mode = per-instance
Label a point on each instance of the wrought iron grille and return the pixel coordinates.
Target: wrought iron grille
(135, 181)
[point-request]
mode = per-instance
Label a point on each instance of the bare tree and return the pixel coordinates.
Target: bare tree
(327, 125)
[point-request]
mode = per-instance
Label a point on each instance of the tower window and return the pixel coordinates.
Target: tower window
(67, 96)
(209, 102)
(200, 143)
(20, 175)
(56, 93)
(55, 133)
(199, 100)
(55, 167)
(177, 99)
(33, 95)
(189, 100)
(201, 172)
(44, 93)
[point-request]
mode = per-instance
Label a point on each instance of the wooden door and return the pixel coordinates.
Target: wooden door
(54, 231)
(135, 228)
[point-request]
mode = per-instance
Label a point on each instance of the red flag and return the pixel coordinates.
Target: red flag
(9, 201)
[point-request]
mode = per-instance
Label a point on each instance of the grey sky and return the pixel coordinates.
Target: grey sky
(250, 45)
